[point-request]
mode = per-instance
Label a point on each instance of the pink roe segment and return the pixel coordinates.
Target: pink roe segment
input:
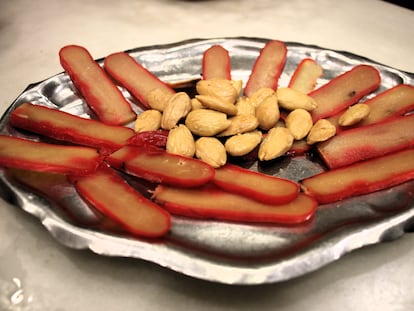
(305, 76)
(99, 91)
(390, 103)
(138, 80)
(115, 198)
(37, 156)
(361, 178)
(267, 68)
(158, 166)
(367, 142)
(64, 126)
(257, 186)
(214, 203)
(344, 90)
(216, 63)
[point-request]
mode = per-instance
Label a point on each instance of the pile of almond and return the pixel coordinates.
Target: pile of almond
(218, 121)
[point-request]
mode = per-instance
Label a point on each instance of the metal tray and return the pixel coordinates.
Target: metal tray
(218, 251)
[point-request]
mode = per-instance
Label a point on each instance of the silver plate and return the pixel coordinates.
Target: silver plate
(216, 251)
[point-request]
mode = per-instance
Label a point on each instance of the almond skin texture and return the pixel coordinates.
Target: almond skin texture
(148, 120)
(211, 151)
(276, 143)
(180, 141)
(178, 106)
(354, 115)
(220, 88)
(216, 103)
(244, 106)
(242, 144)
(158, 98)
(299, 122)
(322, 130)
(267, 112)
(258, 96)
(240, 124)
(206, 122)
(291, 99)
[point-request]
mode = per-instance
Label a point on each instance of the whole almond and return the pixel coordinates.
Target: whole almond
(240, 124)
(242, 144)
(220, 88)
(148, 120)
(275, 144)
(354, 114)
(322, 130)
(238, 85)
(206, 122)
(177, 108)
(244, 106)
(291, 99)
(258, 96)
(216, 103)
(211, 151)
(196, 104)
(157, 99)
(299, 122)
(181, 141)
(267, 112)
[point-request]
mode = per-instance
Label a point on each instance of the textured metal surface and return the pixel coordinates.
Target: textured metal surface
(222, 251)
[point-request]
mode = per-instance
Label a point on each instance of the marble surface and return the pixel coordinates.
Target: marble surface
(37, 273)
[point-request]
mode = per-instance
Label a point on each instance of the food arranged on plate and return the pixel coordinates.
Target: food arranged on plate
(188, 144)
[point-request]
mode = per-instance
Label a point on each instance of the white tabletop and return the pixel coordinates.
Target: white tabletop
(38, 273)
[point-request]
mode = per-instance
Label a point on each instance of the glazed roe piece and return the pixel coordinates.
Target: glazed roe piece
(361, 178)
(64, 126)
(267, 68)
(257, 186)
(100, 92)
(159, 166)
(390, 103)
(344, 90)
(58, 190)
(138, 80)
(210, 202)
(115, 198)
(216, 63)
(38, 156)
(305, 76)
(367, 142)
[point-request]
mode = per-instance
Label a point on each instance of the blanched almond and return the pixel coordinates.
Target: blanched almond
(322, 130)
(275, 144)
(206, 122)
(220, 88)
(240, 124)
(177, 108)
(244, 106)
(216, 103)
(196, 104)
(267, 112)
(181, 141)
(354, 114)
(291, 99)
(158, 98)
(257, 97)
(242, 144)
(211, 151)
(148, 120)
(299, 122)
(238, 85)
